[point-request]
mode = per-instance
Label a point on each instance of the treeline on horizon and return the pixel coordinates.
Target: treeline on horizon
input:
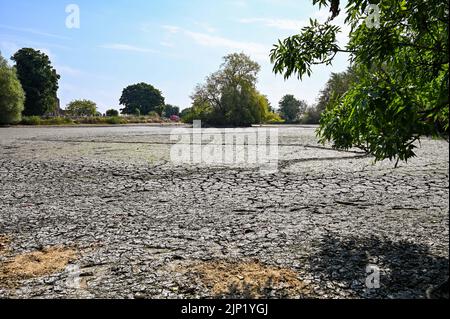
(28, 95)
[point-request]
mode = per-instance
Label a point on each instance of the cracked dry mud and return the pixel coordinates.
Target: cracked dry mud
(142, 227)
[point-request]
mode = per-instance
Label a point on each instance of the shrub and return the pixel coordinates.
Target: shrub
(31, 120)
(153, 114)
(37, 120)
(56, 121)
(174, 118)
(273, 118)
(115, 120)
(88, 120)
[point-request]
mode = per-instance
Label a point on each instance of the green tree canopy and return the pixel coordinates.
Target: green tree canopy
(170, 110)
(229, 96)
(112, 112)
(82, 108)
(142, 97)
(12, 96)
(335, 88)
(290, 108)
(402, 68)
(185, 112)
(39, 81)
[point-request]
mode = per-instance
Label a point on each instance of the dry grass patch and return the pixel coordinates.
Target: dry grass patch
(36, 264)
(248, 280)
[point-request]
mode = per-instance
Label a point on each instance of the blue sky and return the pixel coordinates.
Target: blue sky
(171, 44)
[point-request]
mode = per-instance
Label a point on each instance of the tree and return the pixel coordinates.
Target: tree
(229, 96)
(142, 97)
(290, 108)
(137, 112)
(12, 96)
(170, 110)
(335, 88)
(267, 114)
(403, 82)
(188, 115)
(402, 69)
(112, 113)
(311, 115)
(82, 108)
(39, 81)
(185, 112)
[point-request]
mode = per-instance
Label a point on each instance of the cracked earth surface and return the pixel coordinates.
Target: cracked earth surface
(141, 226)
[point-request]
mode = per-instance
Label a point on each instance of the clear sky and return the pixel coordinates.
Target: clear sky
(171, 44)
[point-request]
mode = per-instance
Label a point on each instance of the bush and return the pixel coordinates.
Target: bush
(89, 120)
(31, 120)
(174, 118)
(273, 118)
(153, 114)
(56, 121)
(12, 96)
(187, 117)
(200, 112)
(37, 120)
(115, 120)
